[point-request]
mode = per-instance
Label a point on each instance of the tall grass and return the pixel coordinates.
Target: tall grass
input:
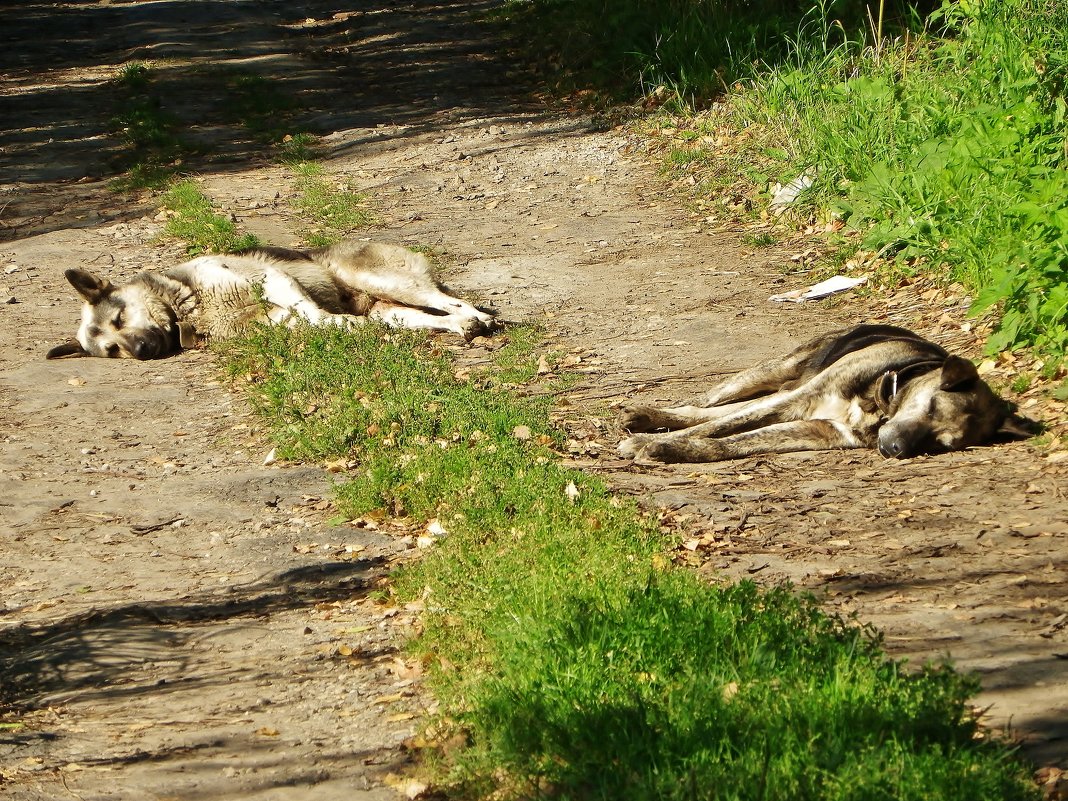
(940, 137)
(570, 659)
(947, 152)
(696, 47)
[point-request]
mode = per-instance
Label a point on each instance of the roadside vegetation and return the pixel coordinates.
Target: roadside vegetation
(152, 147)
(571, 658)
(154, 158)
(935, 135)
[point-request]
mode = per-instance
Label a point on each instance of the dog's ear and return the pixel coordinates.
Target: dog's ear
(885, 391)
(188, 337)
(88, 285)
(958, 374)
(71, 347)
(1016, 426)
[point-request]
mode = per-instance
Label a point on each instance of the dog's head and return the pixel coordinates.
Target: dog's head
(944, 409)
(128, 321)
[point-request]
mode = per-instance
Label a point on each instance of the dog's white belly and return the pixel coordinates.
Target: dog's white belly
(847, 411)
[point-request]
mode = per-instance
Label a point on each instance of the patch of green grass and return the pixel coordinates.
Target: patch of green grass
(332, 209)
(196, 221)
(154, 149)
(1022, 383)
(683, 157)
(516, 362)
(575, 661)
(297, 149)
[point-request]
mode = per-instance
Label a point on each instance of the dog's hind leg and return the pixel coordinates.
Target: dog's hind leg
(638, 418)
(764, 378)
(728, 395)
(407, 317)
(400, 276)
(796, 435)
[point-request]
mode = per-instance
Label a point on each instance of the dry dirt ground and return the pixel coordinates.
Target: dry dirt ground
(178, 619)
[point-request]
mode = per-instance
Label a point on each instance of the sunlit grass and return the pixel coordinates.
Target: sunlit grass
(568, 654)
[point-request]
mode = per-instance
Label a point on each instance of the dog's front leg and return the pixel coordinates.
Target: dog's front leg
(797, 435)
(638, 418)
(405, 317)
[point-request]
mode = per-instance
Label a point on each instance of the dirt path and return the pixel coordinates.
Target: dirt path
(181, 617)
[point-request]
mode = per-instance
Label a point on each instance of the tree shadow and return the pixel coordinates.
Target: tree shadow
(94, 653)
(232, 79)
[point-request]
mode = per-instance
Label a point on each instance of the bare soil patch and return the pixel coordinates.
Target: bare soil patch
(179, 619)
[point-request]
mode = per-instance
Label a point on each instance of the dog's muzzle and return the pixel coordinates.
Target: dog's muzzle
(153, 344)
(894, 447)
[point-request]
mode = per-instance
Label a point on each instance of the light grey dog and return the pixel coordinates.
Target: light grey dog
(156, 314)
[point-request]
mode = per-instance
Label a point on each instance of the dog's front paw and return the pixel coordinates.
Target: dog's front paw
(631, 446)
(489, 321)
(477, 326)
(642, 448)
(639, 419)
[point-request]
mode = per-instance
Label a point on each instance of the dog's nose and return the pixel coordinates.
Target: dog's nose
(892, 447)
(142, 349)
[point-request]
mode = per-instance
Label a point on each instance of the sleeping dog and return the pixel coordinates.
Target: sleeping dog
(872, 386)
(157, 314)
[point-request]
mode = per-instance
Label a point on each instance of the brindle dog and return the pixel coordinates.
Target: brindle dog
(872, 386)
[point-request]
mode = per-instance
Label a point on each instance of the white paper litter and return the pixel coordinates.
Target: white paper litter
(839, 283)
(785, 195)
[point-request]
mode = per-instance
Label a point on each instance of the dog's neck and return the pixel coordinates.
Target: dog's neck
(902, 376)
(181, 297)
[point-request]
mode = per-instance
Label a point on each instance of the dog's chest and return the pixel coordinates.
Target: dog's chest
(224, 311)
(857, 413)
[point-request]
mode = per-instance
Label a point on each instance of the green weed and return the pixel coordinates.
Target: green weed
(761, 239)
(154, 150)
(1021, 383)
(195, 221)
(297, 150)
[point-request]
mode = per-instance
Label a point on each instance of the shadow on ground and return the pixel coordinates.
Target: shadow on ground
(233, 78)
(96, 652)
